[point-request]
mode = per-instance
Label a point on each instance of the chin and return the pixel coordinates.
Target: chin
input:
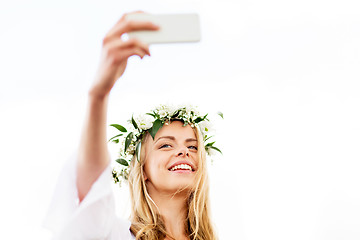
(181, 184)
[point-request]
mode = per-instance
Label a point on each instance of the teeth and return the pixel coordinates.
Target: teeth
(182, 167)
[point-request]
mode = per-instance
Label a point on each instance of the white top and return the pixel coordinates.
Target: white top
(93, 218)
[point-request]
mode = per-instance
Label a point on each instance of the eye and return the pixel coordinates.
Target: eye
(193, 147)
(165, 145)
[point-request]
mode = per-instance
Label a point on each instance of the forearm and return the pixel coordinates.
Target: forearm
(93, 156)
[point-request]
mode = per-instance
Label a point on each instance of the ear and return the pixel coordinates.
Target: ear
(145, 176)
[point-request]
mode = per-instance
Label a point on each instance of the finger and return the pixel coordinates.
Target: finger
(118, 44)
(123, 17)
(128, 26)
(125, 54)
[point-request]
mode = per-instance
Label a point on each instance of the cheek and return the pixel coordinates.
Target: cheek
(152, 167)
(195, 156)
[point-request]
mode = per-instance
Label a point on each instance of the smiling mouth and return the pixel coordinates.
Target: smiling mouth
(182, 167)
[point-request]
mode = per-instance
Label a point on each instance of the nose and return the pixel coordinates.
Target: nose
(183, 152)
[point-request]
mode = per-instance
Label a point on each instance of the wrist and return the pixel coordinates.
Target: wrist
(95, 95)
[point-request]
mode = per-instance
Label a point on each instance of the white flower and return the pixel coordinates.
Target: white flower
(171, 109)
(131, 149)
(211, 152)
(134, 138)
(136, 132)
(144, 122)
(166, 110)
(162, 113)
(205, 127)
(191, 108)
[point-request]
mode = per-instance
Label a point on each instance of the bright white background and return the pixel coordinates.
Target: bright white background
(285, 74)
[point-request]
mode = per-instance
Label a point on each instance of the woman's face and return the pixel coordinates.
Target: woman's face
(171, 159)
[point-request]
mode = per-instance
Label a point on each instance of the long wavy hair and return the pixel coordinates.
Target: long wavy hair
(147, 224)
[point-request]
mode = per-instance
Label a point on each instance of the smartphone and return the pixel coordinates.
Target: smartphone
(174, 28)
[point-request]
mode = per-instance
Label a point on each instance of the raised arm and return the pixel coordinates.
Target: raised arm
(93, 154)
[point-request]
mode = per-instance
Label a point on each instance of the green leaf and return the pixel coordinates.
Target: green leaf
(221, 115)
(137, 151)
(176, 114)
(210, 144)
(199, 119)
(122, 162)
(207, 138)
(128, 140)
(115, 140)
(215, 148)
(119, 127)
(151, 114)
(155, 128)
(133, 122)
(115, 136)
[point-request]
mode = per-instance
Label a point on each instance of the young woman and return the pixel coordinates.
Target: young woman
(167, 176)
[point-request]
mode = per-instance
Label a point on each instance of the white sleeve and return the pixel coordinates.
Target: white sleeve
(93, 218)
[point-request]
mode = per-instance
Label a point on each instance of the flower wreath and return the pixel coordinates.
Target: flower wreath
(130, 141)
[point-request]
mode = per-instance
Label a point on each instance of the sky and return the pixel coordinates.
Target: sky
(284, 73)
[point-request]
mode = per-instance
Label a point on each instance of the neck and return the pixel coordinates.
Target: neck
(173, 210)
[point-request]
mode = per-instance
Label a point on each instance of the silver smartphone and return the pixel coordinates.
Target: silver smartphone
(174, 28)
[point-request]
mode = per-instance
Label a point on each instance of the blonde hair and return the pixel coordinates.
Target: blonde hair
(147, 224)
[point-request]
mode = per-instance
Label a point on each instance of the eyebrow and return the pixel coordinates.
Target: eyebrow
(173, 138)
